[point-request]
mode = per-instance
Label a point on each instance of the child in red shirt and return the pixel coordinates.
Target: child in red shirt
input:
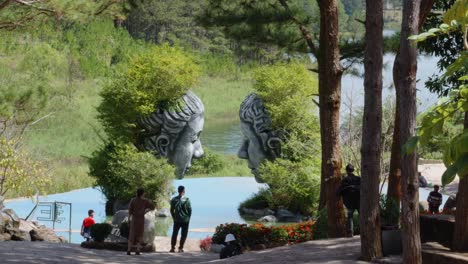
(86, 226)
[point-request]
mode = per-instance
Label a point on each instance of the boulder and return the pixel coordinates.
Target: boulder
(150, 228)
(15, 220)
(163, 213)
(119, 216)
(257, 212)
(46, 234)
(18, 235)
(5, 237)
(268, 219)
(216, 248)
(26, 226)
(284, 215)
(120, 205)
(2, 200)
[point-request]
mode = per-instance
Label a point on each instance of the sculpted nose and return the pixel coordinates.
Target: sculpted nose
(198, 151)
(242, 153)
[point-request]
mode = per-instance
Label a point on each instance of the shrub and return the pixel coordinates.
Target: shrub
(205, 244)
(321, 226)
(259, 200)
(101, 231)
(124, 229)
(294, 185)
(257, 234)
(389, 210)
(120, 169)
(210, 163)
(157, 78)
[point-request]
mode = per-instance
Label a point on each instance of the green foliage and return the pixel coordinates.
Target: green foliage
(287, 91)
(120, 169)
(260, 200)
(158, 77)
(456, 151)
(100, 231)
(19, 173)
(389, 210)
(210, 163)
(294, 185)
(321, 225)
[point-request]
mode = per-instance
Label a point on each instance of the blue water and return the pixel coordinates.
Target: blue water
(214, 201)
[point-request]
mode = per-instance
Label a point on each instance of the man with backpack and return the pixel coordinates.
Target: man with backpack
(350, 190)
(181, 211)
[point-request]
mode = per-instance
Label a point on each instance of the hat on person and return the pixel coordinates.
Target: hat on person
(229, 238)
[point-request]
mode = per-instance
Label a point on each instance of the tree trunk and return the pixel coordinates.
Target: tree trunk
(407, 68)
(394, 176)
(460, 237)
(371, 246)
(330, 72)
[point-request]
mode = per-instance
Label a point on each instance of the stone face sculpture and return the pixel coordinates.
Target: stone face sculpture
(261, 141)
(174, 133)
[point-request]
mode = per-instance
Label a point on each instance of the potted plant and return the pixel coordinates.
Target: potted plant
(391, 233)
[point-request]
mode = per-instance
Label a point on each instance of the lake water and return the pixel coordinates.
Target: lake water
(214, 202)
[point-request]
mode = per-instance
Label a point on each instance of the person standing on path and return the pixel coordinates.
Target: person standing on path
(435, 200)
(350, 190)
(137, 209)
(86, 226)
(181, 211)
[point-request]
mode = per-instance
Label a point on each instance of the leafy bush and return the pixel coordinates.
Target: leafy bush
(389, 211)
(251, 236)
(119, 169)
(259, 200)
(99, 232)
(210, 163)
(156, 78)
(205, 244)
(294, 185)
(321, 226)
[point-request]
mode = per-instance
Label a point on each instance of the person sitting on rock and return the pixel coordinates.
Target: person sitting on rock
(422, 180)
(435, 200)
(86, 226)
(232, 247)
(350, 190)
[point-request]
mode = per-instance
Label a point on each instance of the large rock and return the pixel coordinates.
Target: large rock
(257, 212)
(150, 228)
(43, 233)
(26, 226)
(119, 217)
(163, 213)
(120, 205)
(2, 202)
(15, 220)
(284, 215)
(18, 235)
(268, 219)
(5, 237)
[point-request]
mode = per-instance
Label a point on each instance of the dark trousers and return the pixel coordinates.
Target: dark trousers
(175, 232)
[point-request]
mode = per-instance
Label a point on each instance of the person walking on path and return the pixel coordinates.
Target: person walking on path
(181, 211)
(86, 226)
(350, 190)
(137, 209)
(435, 200)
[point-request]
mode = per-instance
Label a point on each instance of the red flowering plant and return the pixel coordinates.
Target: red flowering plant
(205, 244)
(258, 234)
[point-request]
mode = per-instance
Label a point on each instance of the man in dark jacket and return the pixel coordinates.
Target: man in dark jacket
(350, 191)
(435, 200)
(181, 211)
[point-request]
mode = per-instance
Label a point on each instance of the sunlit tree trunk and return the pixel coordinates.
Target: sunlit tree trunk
(371, 246)
(330, 72)
(460, 241)
(407, 68)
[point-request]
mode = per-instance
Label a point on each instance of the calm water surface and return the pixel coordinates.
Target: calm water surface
(214, 201)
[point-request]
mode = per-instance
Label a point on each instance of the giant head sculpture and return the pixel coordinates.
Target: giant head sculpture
(174, 132)
(261, 142)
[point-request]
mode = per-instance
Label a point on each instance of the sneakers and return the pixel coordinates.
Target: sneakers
(128, 253)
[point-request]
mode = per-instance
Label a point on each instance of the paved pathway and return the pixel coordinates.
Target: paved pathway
(335, 251)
